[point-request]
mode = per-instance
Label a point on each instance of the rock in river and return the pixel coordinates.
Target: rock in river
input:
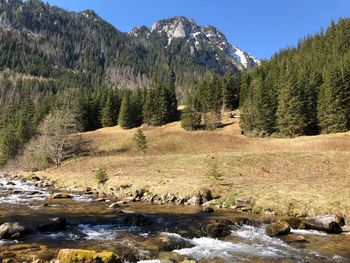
(208, 209)
(136, 220)
(86, 256)
(60, 196)
(167, 243)
(329, 224)
(55, 224)
(11, 230)
(278, 229)
(218, 229)
(171, 257)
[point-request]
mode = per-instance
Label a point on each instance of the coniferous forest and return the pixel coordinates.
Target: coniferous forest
(49, 63)
(303, 90)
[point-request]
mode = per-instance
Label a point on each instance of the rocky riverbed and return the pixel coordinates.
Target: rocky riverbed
(41, 224)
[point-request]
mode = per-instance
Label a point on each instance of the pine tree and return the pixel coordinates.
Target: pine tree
(291, 115)
(107, 114)
(137, 103)
(190, 115)
(230, 91)
(126, 115)
(140, 140)
(155, 109)
(172, 112)
(332, 115)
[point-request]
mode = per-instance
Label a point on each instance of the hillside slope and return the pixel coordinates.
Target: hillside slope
(301, 175)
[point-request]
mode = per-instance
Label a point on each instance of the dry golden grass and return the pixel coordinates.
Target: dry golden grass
(305, 174)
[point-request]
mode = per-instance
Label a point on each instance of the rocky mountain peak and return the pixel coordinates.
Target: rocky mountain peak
(176, 27)
(207, 42)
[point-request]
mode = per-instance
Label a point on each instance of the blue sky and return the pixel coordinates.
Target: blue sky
(261, 27)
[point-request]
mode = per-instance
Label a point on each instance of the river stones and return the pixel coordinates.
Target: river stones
(59, 196)
(218, 229)
(278, 229)
(114, 206)
(11, 230)
(136, 220)
(167, 243)
(329, 224)
(293, 238)
(205, 195)
(35, 178)
(86, 256)
(194, 201)
(55, 224)
(208, 209)
(34, 193)
(294, 222)
(171, 257)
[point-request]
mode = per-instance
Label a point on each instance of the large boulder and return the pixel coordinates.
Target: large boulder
(55, 224)
(218, 229)
(167, 243)
(278, 229)
(329, 224)
(10, 230)
(86, 256)
(294, 222)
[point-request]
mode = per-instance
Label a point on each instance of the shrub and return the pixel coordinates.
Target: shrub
(190, 119)
(140, 140)
(101, 176)
(214, 172)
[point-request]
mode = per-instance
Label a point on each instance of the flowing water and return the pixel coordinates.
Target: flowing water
(91, 225)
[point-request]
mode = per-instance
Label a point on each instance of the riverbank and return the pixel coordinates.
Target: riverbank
(45, 224)
(300, 176)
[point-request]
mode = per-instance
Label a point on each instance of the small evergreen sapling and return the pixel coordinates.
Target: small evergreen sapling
(214, 172)
(140, 140)
(101, 176)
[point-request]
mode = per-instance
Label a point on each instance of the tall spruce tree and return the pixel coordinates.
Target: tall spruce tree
(126, 115)
(291, 115)
(230, 91)
(108, 117)
(332, 115)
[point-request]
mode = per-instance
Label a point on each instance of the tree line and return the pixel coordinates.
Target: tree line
(303, 90)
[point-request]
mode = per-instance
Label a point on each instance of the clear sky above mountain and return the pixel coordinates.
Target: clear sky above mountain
(261, 27)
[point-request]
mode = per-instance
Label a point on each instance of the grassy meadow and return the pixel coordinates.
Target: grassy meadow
(300, 175)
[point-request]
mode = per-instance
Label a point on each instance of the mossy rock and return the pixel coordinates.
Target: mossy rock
(278, 229)
(172, 257)
(166, 243)
(294, 222)
(86, 256)
(108, 257)
(218, 229)
(59, 196)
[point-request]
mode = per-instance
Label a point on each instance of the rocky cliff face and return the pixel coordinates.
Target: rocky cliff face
(207, 43)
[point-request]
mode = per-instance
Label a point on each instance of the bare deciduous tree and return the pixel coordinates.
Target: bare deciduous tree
(55, 131)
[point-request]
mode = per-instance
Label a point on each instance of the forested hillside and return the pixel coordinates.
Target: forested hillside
(77, 64)
(303, 90)
(57, 65)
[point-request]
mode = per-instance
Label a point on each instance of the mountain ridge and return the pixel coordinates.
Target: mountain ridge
(85, 43)
(184, 27)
